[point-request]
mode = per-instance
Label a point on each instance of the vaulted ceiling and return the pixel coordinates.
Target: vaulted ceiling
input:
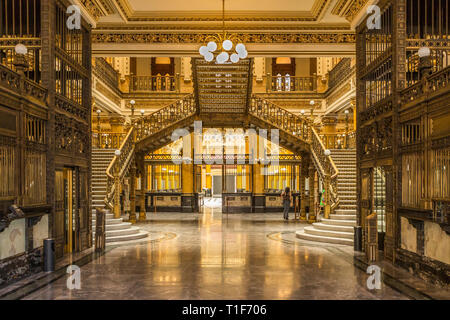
(138, 24)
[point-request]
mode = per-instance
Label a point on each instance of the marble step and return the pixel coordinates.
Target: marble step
(331, 227)
(342, 211)
(328, 233)
(306, 236)
(108, 215)
(110, 221)
(119, 226)
(351, 223)
(123, 238)
(343, 216)
(122, 232)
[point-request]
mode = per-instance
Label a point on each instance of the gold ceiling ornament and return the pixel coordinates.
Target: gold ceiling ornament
(220, 45)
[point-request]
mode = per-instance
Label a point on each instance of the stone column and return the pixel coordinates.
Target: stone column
(132, 218)
(312, 193)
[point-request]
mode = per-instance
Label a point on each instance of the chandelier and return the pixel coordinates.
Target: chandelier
(224, 47)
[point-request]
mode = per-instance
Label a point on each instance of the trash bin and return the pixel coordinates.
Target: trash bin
(357, 238)
(49, 255)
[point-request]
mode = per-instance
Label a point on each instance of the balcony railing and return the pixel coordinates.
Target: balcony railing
(291, 84)
(339, 141)
(155, 83)
(108, 140)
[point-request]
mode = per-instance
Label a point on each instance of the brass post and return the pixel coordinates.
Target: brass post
(327, 210)
(312, 194)
(116, 192)
(142, 212)
(132, 217)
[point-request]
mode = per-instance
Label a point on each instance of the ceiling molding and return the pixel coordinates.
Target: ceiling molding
(318, 9)
(198, 38)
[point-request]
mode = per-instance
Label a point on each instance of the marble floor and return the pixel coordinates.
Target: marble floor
(214, 256)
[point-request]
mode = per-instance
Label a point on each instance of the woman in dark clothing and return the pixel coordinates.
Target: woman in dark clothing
(286, 195)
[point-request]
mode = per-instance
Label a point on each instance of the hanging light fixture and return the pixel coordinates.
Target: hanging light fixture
(221, 46)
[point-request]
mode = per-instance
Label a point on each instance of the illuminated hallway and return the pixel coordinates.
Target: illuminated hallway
(215, 256)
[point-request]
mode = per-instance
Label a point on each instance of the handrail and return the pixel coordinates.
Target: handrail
(120, 164)
(165, 117)
(279, 117)
(280, 83)
(326, 167)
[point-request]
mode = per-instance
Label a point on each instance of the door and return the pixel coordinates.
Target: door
(217, 185)
(70, 210)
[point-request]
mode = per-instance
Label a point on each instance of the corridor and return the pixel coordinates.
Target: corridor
(215, 256)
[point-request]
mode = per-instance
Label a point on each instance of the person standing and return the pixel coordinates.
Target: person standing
(286, 195)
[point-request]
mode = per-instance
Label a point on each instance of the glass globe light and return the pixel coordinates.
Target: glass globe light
(311, 102)
(227, 45)
(240, 47)
(209, 57)
(132, 102)
(327, 152)
(424, 52)
(142, 112)
(203, 50)
(302, 112)
(243, 54)
(346, 111)
(212, 46)
(117, 152)
(234, 58)
(21, 49)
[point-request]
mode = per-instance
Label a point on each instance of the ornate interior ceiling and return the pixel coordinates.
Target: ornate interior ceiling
(141, 23)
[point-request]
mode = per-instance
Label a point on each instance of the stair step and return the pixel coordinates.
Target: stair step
(305, 236)
(123, 238)
(111, 221)
(344, 212)
(122, 232)
(351, 223)
(343, 216)
(331, 227)
(328, 233)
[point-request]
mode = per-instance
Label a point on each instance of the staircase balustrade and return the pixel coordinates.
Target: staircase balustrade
(327, 171)
(281, 118)
(117, 170)
(165, 117)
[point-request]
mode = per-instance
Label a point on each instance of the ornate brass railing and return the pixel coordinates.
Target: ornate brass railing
(22, 85)
(279, 117)
(117, 171)
(106, 72)
(428, 85)
(340, 72)
(292, 84)
(327, 171)
(165, 117)
(108, 140)
(154, 83)
(339, 140)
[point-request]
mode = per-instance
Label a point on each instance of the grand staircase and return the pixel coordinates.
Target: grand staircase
(339, 228)
(222, 97)
(117, 231)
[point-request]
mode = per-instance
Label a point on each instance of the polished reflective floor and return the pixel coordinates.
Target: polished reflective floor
(215, 256)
